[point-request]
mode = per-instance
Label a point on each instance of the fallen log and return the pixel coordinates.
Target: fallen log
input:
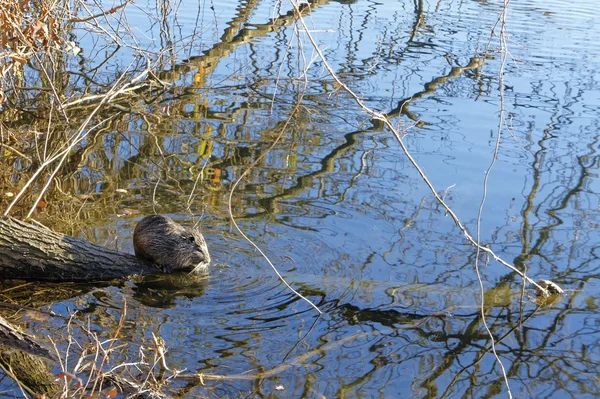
(36, 253)
(32, 373)
(31, 252)
(11, 337)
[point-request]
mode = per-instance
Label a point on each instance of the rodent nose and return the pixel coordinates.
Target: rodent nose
(205, 254)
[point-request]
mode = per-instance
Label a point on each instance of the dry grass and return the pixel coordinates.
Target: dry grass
(89, 367)
(28, 29)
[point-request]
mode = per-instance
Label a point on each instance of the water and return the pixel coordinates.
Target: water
(346, 218)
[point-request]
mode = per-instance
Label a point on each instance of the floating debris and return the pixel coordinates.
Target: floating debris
(551, 288)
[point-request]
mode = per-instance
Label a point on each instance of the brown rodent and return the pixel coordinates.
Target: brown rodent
(173, 247)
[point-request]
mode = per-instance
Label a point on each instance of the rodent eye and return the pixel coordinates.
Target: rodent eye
(191, 239)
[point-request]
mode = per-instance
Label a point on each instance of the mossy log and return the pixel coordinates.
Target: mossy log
(32, 373)
(31, 252)
(11, 337)
(28, 363)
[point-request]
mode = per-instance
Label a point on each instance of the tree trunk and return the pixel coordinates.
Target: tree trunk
(32, 252)
(31, 372)
(13, 338)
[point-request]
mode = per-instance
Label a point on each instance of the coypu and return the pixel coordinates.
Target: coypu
(173, 247)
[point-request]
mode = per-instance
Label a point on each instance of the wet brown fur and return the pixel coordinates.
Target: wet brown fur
(173, 247)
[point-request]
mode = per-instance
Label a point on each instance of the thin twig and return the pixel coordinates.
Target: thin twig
(102, 14)
(485, 180)
(112, 342)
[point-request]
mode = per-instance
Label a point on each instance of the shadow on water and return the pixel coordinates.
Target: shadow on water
(163, 290)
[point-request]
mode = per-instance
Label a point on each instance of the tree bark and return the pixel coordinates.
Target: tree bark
(13, 338)
(32, 252)
(31, 372)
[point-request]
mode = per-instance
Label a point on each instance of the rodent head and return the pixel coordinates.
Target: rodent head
(190, 251)
(160, 240)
